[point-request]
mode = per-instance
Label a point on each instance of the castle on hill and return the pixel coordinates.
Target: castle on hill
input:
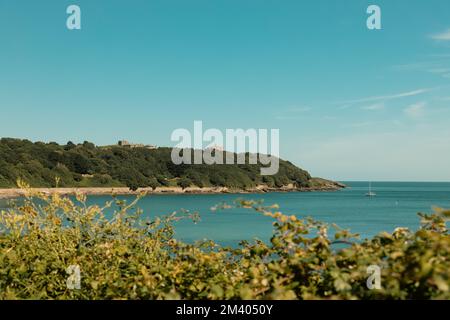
(127, 144)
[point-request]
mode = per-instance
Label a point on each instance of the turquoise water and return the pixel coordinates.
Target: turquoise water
(396, 204)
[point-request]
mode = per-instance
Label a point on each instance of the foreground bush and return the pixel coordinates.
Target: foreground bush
(124, 257)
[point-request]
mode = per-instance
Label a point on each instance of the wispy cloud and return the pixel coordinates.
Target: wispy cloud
(286, 118)
(439, 70)
(440, 55)
(414, 66)
(444, 72)
(385, 123)
(293, 113)
(299, 109)
(389, 97)
(439, 67)
(359, 124)
(416, 110)
(374, 107)
(443, 36)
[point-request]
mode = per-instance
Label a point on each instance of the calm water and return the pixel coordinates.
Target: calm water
(396, 204)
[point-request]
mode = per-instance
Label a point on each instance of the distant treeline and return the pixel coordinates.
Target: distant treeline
(86, 165)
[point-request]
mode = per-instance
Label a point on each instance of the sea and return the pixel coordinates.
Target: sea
(396, 204)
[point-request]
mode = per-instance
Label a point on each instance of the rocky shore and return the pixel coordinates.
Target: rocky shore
(317, 185)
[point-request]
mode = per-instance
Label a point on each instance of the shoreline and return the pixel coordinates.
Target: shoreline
(16, 192)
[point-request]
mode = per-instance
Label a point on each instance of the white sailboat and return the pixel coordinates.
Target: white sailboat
(370, 193)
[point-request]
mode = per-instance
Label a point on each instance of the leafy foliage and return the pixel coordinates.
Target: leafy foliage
(125, 257)
(85, 165)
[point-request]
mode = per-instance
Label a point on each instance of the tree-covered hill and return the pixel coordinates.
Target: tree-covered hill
(86, 165)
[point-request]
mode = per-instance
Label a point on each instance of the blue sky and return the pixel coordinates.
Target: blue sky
(350, 103)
